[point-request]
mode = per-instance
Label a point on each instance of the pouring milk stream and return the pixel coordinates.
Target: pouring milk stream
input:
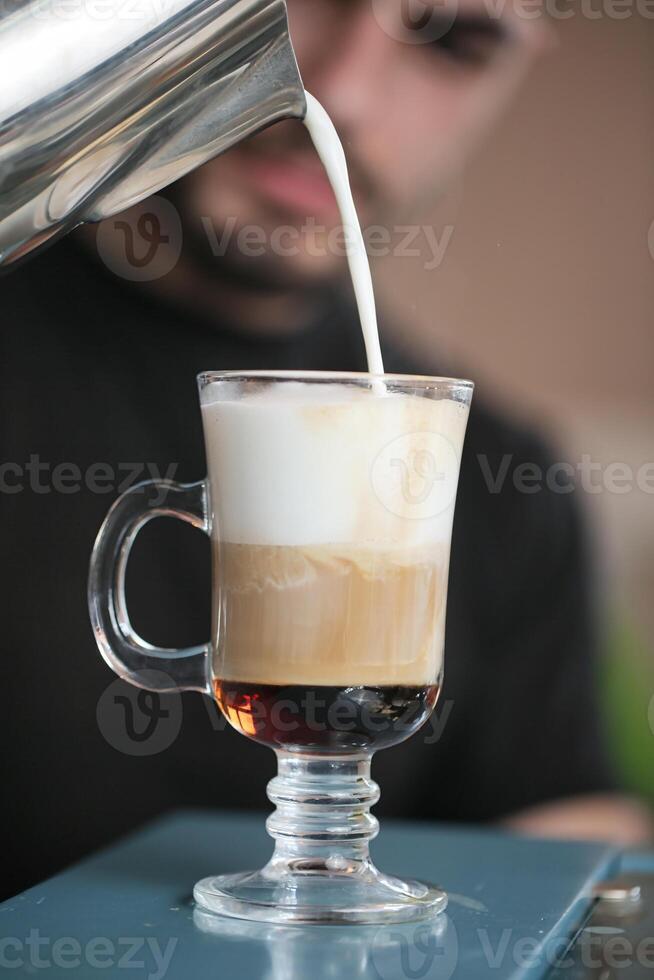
(330, 150)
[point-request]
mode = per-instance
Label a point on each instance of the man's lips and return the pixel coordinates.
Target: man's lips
(296, 186)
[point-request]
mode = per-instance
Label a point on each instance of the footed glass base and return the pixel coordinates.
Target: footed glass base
(367, 896)
(321, 870)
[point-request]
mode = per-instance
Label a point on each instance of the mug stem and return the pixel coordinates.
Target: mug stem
(321, 870)
(322, 821)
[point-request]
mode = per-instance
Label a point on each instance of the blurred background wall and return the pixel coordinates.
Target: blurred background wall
(545, 296)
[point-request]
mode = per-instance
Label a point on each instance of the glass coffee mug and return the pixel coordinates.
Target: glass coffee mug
(329, 503)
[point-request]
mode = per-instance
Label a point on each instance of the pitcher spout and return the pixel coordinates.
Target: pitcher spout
(117, 109)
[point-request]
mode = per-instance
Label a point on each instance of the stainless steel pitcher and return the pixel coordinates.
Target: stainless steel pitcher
(104, 102)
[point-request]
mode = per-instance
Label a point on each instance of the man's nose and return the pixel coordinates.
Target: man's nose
(350, 80)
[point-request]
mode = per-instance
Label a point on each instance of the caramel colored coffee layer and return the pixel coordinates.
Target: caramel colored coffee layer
(330, 615)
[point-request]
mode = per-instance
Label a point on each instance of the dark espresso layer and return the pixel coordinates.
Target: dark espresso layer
(325, 718)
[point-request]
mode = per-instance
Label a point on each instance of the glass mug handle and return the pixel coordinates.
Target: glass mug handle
(132, 658)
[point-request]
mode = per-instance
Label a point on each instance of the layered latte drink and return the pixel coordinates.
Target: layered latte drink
(329, 501)
(332, 516)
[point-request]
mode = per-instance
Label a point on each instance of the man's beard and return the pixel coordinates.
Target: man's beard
(265, 273)
(214, 253)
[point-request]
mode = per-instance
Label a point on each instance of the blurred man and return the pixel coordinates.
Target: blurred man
(410, 86)
(99, 354)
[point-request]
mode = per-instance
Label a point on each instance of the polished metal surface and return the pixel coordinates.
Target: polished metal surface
(104, 102)
(618, 893)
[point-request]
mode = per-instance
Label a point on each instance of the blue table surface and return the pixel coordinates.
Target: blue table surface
(127, 911)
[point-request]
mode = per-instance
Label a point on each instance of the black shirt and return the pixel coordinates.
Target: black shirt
(96, 371)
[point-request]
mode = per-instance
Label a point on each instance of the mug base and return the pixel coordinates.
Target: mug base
(319, 896)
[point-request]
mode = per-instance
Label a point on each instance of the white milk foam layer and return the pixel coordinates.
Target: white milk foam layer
(310, 464)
